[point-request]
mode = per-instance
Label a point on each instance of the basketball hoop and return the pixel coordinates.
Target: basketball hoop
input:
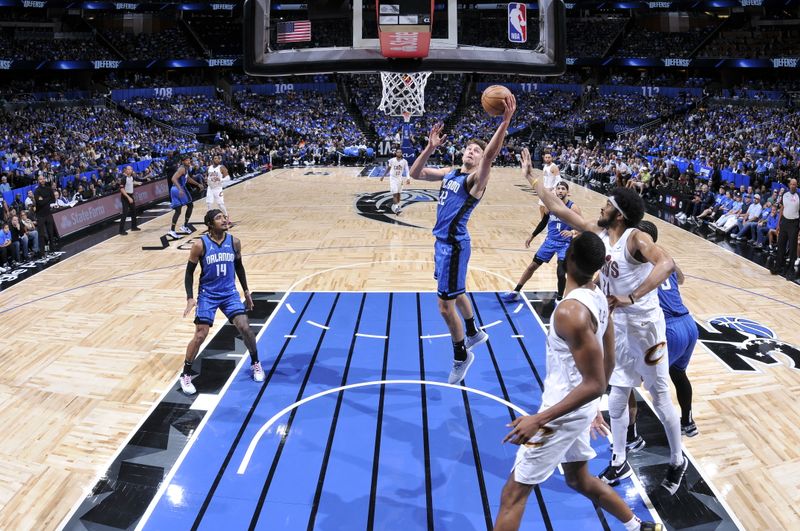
(403, 94)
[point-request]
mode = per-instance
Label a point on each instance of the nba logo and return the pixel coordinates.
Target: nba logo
(517, 23)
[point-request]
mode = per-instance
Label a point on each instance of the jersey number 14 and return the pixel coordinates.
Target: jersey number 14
(222, 270)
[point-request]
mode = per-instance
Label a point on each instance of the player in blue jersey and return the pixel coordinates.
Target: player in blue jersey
(179, 195)
(462, 188)
(556, 243)
(681, 337)
(220, 257)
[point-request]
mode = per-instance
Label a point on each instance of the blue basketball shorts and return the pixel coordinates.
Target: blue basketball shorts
(175, 198)
(230, 304)
(550, 248)
(681, 339)
(450, 267)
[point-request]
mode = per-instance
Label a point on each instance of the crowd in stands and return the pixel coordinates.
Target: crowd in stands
(755, 41)
(179, 110)
(641, 42)
(215, 33)
(126, 80)
(172, 42)
(44, 46)
(591, 37)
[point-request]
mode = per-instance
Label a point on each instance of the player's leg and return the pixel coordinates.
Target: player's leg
(579, 479)
(445, 272)
(394, 188)
(220, 200)
(200, 333)
(474, 336)
(512, 504)
(677, 373)
(619, 468)
(189, 208)
(176, 213)
(242, 324)
(544, 253)
(633, 441)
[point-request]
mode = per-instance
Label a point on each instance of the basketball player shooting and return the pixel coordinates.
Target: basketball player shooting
(220, 257)
(580, 360)
(634, 269)
(461, 191)
(396, 169)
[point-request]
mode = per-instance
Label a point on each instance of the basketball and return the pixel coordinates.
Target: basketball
(492, 99)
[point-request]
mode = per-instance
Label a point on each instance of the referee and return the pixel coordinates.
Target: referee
(127, 199)
(787, 231)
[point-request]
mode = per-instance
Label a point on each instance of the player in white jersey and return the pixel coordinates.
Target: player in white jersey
(634, 269)
(217, 174)
(551, 176)
(580, 359)
(396, 169)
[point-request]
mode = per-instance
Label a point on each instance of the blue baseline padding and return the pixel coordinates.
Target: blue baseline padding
(283, 391)
(204, 460)
(348, 479)
(457, 502)
(400, 499)
(288, 502)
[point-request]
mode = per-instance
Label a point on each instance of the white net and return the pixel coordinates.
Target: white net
(403, 94)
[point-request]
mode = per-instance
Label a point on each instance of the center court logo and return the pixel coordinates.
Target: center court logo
(377, 205)
(742, 344)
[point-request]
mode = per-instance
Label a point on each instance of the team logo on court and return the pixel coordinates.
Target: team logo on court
(378, 205)
(743, 344)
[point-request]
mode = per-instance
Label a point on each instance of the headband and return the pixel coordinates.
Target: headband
(614, 203)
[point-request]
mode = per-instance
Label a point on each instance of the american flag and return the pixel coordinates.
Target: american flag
(297, 31)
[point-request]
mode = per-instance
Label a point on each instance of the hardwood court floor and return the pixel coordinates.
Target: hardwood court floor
(90, 344)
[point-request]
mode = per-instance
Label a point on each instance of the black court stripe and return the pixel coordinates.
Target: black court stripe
(268, 481)
(512, 414)
(326, 456)
(602, 517)
(521, 343)
(545, 517)
(379, 424)
(487, 511)
(426, 445)
(246, 420)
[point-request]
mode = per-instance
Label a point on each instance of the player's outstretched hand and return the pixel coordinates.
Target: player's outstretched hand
(525, 156)
(599, 427)
(190, 303)
(436, 138)
(248, 301)
(524, 429)
(511, 105)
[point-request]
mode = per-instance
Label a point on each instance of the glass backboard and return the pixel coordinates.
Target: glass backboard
(342, 36)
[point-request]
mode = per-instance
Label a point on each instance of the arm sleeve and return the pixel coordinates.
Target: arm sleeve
(541, 226)
(188, 279)
(239, 266)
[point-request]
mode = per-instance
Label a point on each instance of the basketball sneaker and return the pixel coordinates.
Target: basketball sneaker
(675, 475)
(612, 475)
(258, 372)
(185, 230)
(173, 234)
(186, 384)
(479, 338)
(690, 430)
(460, 368)
(636, 444)
(511, 296)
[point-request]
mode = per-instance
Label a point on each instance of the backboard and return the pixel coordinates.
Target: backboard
(326, 36)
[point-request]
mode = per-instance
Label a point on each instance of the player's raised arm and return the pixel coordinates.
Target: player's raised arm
(494, 145)
(418, 169)
(552, 202)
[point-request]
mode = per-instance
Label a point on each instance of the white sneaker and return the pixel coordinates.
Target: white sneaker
(480, 337)
(185, 230)
(460, 368)
(511, 296)
(186, 384)
(258, 372)
(173, 234)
